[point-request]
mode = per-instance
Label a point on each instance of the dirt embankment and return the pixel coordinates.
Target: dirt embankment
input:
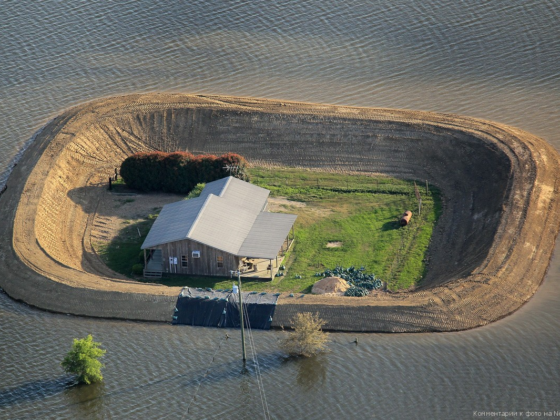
(488, 255)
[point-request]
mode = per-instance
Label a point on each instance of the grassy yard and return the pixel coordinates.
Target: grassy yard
(357, 214)
(342, 220)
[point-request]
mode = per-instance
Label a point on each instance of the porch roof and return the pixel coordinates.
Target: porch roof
(267, 235)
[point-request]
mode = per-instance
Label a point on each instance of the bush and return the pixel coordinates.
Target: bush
(144, 171)
(308, 337)
(176, 176)
(179, 172)
(196, 191)
(82, 360)
(138, 269)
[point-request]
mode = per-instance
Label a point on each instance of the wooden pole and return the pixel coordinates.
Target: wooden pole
(241, 318)
(427, 192)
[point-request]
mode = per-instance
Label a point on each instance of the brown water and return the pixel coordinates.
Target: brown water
(496, 60)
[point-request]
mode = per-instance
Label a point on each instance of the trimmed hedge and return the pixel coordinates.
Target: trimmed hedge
(178, 172)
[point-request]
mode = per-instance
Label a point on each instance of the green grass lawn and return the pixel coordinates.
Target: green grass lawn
(360, 212)
(357, 211)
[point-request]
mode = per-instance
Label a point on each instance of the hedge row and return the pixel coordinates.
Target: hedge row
(178, 172)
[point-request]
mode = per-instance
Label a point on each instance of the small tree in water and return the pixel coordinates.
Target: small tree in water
(308, 337)
(82, 360)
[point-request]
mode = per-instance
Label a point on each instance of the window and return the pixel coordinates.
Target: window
(184, 261)
(220, 261)
(196, 254)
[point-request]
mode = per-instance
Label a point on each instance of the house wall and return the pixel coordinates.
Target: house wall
(206, 265)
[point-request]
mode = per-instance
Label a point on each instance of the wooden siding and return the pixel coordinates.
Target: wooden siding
(206, 265)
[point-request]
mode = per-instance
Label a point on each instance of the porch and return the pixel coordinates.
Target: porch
(264, 268)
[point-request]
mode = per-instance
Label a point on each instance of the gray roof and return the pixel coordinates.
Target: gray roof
(228, 215)
(174, 222)
(267, 235)
(238, 192)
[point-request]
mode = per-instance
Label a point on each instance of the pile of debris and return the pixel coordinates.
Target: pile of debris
(330, 286)
(359, 283)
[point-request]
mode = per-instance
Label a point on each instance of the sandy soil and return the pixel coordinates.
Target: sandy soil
(488, 255)
(276, 204)
(336, 244)
(117, 210)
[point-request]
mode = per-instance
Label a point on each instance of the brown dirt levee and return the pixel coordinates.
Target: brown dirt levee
(488, 255)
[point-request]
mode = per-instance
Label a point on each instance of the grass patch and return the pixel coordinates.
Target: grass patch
(124, 251)
(359, 213)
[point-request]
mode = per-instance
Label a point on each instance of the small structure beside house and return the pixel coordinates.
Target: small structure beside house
(226, 228)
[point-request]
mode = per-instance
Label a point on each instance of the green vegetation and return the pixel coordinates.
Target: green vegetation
(123, 253)
(308, 338)
(196, 191)
(82, 360)
(178, 172)
(119, 186)
(358, 214)
(343, 220)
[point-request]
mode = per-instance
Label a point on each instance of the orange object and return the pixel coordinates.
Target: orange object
(405, 218)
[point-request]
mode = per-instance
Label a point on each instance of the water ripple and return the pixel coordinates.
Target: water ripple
(496, 60)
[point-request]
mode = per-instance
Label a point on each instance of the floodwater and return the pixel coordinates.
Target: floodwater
(496, 60)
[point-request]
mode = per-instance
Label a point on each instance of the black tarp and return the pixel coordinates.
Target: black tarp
(211, 308)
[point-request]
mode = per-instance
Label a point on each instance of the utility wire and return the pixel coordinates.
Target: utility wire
(204, 377)
(257, 367)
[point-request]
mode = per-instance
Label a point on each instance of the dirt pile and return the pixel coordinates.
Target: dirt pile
(330, 285)
(488, 255)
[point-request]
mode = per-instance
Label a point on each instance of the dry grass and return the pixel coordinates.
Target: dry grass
(308, 337)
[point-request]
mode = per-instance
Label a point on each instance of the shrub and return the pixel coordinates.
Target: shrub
(178, 172)
(82, 360)
(138, 269)
(176, 175)
(196, 191)
(233, 160)
(308, 337)
(144, 171)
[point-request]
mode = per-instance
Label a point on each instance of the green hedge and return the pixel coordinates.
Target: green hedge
(178, 172)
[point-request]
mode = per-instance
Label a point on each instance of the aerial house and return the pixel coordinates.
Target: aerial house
(226, 228)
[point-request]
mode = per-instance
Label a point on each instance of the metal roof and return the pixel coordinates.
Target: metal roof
(267, 235)
(238, 192)
(222, 225)
(228, 216)
(174, 222)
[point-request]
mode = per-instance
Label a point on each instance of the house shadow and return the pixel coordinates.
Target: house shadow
(36, 390)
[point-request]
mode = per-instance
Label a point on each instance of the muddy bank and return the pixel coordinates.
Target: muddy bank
(488, 254)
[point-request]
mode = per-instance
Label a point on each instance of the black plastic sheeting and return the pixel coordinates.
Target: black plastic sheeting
(212, 308)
